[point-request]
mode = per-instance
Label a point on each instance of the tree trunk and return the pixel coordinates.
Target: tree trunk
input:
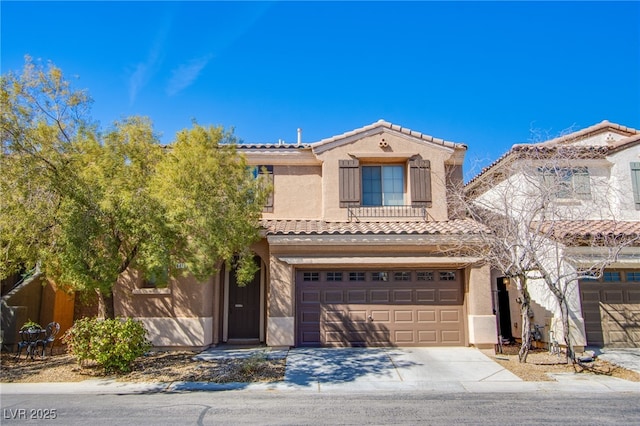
(106, 309)
(526, 325)
(564, 309)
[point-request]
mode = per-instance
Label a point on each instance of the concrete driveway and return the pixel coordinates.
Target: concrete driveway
(377, 368)
(628, 358)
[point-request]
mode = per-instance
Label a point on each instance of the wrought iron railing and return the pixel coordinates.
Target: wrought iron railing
(357, 212)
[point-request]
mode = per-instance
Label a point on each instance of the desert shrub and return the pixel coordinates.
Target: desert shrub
(112, 343)
(253, 364)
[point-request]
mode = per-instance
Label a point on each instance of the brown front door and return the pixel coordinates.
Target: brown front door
(244, 309)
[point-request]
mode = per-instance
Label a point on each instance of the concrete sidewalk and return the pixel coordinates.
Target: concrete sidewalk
(442, 370)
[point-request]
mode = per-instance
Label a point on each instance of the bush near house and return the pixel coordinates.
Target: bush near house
(111, 343)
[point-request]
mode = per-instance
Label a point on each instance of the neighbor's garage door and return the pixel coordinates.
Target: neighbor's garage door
(611, 309)
(379, 308)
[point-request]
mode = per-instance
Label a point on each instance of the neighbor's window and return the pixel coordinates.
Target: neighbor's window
(567, 183)
(382, 185)
(611, 276)
(633, 276)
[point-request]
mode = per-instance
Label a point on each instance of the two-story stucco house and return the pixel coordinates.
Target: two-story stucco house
(360, 248)
(592, 210)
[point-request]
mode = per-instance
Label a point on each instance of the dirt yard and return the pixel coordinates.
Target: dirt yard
(154, 367)
(180, 366)
(540, 362)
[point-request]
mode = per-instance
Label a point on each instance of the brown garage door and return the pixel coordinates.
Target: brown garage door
(611, 309)
(379, 308)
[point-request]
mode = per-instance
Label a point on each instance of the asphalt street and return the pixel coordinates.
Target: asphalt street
(239, 407)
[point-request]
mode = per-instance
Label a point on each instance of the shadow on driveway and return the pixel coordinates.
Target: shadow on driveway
(306, 366)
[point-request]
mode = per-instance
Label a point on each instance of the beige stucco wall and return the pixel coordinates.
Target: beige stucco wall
(179, 332)
(180, 315)
(297, 192)
(481, 319)
(280, 304)
(399, 150)
(183, 297)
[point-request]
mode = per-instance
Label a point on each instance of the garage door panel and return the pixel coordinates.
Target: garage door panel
(611, 312)
(311, 338)
(310, 317)
(404, 337)
(452, 337)
(379, 296)
(333, 296)
(448, 315)
(356, 296)
(427, 315)
(358, 316)
(403, 316)
(332, 315)
(310, 296)
(449, 296)
(402, 296)
(591, 296)
(382, 316)
(612, 296)
(380, 313)
(425, 295)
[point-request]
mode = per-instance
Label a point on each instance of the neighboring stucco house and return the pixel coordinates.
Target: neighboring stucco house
(360, 248)
(596, 205)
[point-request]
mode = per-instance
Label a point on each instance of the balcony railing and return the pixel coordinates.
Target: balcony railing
(379, 212)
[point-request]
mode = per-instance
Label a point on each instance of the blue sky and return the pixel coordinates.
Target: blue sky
(480, 73)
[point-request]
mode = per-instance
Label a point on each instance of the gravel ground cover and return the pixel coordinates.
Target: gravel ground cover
(540, 362)
(181, 366)
(154, 367)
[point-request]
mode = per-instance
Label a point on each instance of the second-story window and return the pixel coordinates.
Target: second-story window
(567, 183)
(266, 173)
(382, 185)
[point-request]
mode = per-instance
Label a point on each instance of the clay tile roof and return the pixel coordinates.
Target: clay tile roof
(589, 229)
(271, 146)
(391, 126)
(320, 227)
(586, 151)
(596, 128)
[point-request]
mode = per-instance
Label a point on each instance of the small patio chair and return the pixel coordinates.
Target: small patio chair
(50, 333)
(29, 336)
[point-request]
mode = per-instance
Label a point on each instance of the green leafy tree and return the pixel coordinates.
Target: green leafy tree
(212, 200)
(85, 206)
